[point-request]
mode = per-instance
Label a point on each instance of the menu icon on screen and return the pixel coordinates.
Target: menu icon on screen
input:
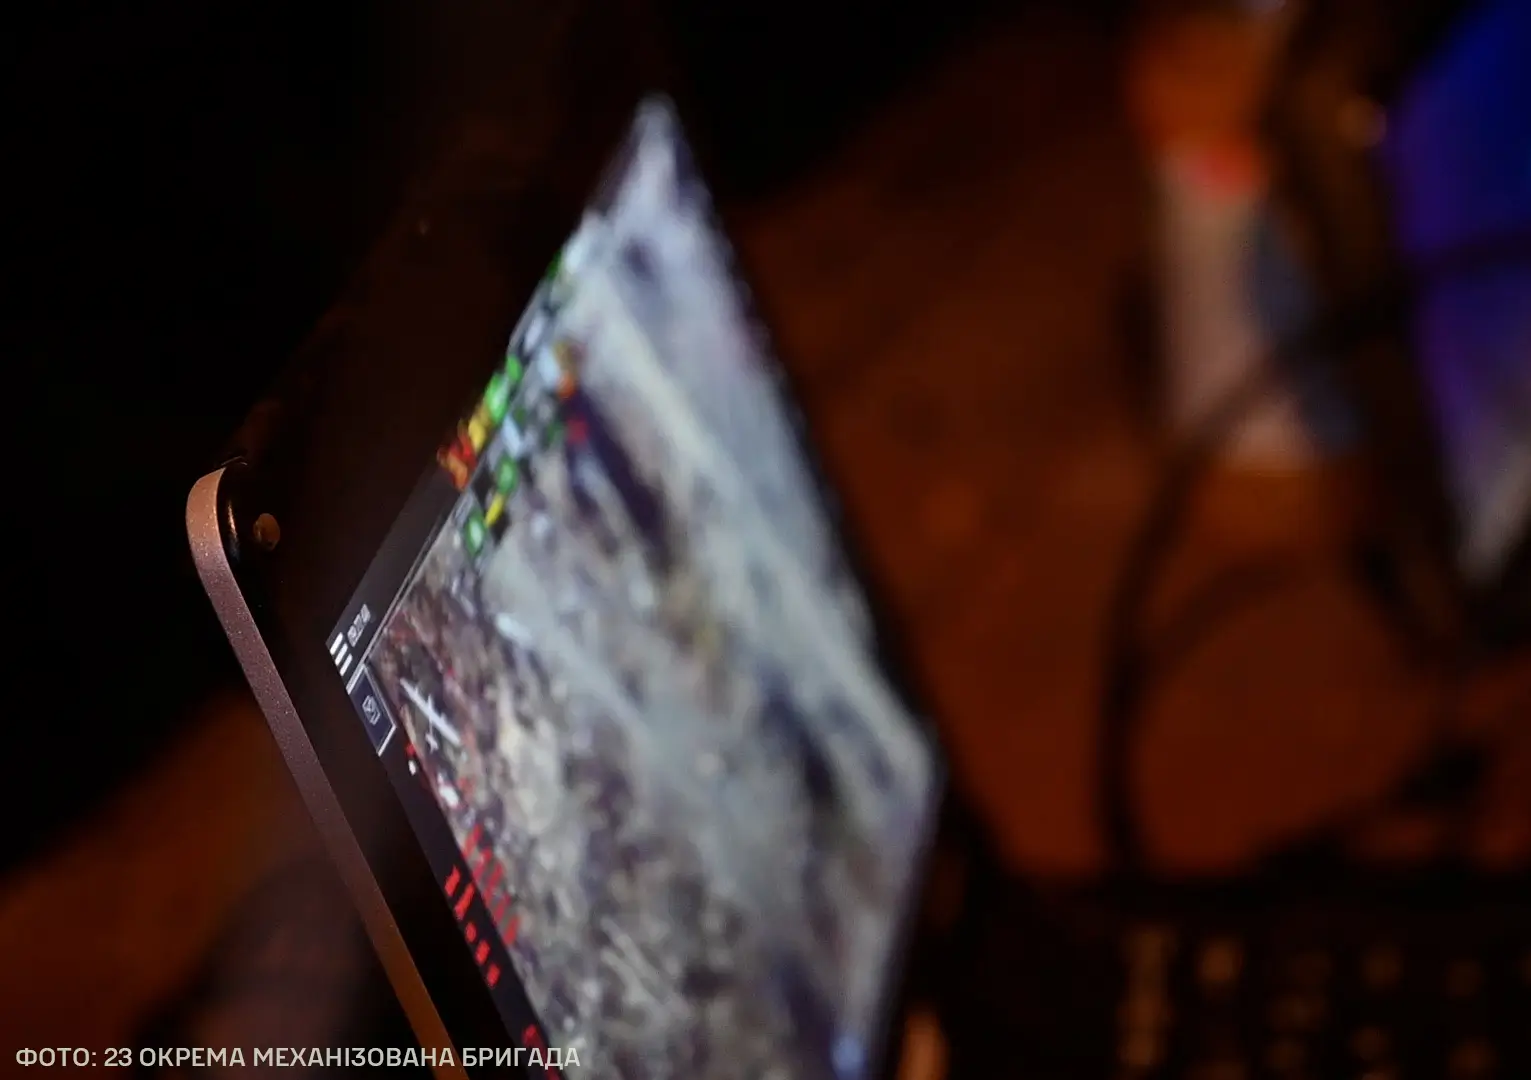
(340, 652)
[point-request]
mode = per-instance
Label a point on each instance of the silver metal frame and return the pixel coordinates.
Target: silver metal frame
(203, 527)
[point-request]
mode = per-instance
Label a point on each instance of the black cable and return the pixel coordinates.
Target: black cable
(1233, 589)
(1129, 666)
(1446, 784)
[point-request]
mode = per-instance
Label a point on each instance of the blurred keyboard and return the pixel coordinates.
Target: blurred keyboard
(1383, 981)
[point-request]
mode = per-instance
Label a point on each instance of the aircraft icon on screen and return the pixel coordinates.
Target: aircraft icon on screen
(439, 725)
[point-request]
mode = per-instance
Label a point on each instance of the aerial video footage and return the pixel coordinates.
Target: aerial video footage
(635, 663)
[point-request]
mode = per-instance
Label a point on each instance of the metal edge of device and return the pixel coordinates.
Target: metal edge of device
(204, 529)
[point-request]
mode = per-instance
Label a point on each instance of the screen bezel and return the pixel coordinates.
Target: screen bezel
(408, 349)
(1334, 194)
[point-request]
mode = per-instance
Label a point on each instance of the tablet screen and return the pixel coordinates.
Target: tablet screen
(1457, 161)
(633, 673)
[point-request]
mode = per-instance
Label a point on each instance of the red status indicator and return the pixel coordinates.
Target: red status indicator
(485, 880)
(461, 910)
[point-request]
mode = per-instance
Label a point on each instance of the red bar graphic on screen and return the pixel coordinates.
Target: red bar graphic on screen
(461, 910)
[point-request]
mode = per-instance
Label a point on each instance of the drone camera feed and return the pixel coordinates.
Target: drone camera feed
(633, 667)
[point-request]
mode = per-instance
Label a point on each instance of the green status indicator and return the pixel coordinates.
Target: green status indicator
(506, 475)
(497, 398)
(474, 532)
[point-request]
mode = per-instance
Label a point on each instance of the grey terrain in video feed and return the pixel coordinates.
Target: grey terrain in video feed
(656, 696)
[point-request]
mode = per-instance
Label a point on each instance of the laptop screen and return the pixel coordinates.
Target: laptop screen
(633, 677)
(1457, 161)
